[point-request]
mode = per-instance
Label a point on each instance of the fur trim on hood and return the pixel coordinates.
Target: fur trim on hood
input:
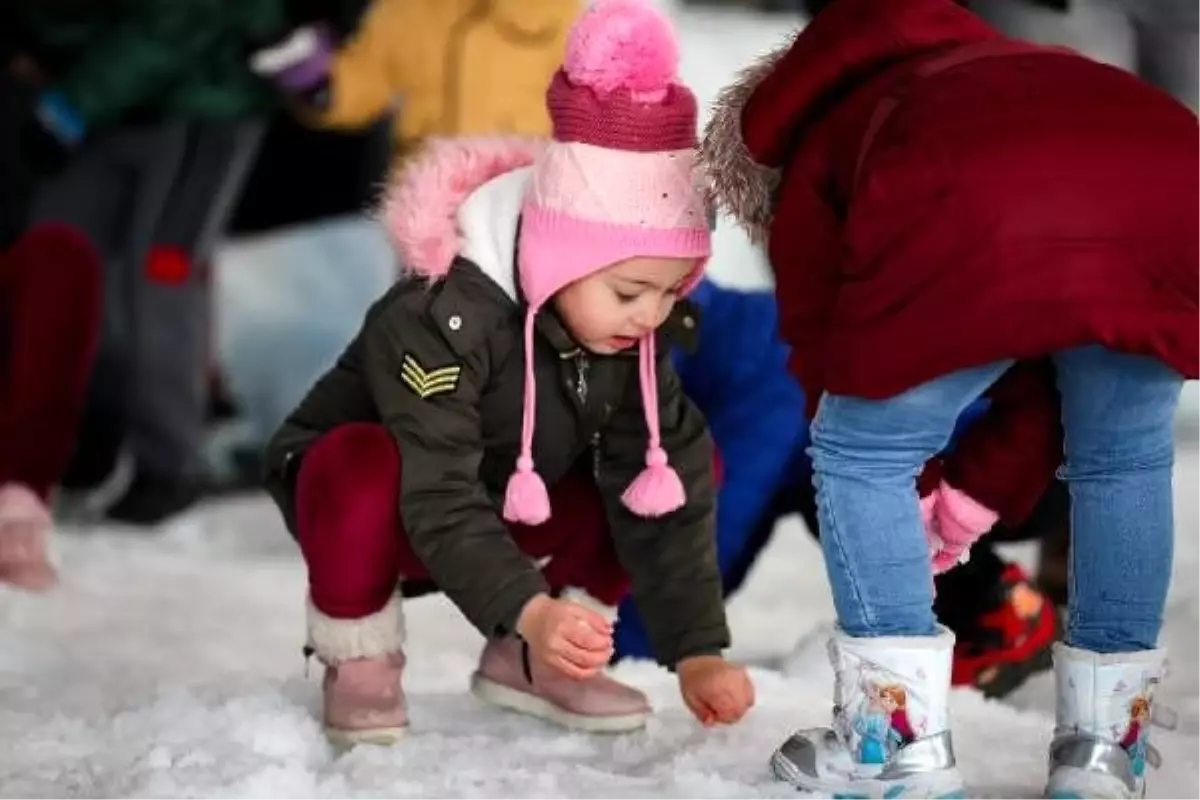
(773, 105)
(420, 206)
(740, 187)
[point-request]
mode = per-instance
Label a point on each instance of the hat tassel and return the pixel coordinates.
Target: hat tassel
(657, 490)
(526, 500)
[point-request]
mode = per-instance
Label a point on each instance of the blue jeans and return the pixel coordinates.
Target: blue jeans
(1118, 416)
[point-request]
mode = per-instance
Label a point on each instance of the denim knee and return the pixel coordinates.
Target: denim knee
(1118, 412)
(893, 437)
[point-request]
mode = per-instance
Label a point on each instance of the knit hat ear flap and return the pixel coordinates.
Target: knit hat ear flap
(657, 490)
(526, 500)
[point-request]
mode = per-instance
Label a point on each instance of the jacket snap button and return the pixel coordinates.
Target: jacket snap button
(454, 322)
(689, 323)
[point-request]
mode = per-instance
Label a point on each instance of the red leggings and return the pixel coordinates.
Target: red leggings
(348, 525)
(50, 311)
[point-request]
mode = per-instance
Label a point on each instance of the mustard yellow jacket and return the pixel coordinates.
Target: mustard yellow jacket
(451, 67)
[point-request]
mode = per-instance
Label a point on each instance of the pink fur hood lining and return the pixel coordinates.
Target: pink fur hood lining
(420, 205)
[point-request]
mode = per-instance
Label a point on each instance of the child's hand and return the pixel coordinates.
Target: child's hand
(714, 690)
(566, 636)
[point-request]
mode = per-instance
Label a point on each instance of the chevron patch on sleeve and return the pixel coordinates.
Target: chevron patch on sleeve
(426, 383)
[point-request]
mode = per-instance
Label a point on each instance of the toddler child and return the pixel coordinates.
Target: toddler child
(539, 340)
(975, 207)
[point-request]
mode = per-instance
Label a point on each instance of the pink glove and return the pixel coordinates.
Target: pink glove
(928, 507)
(957, 523)
(932, 537)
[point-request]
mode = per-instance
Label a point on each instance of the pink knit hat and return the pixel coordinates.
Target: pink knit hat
(617, 181)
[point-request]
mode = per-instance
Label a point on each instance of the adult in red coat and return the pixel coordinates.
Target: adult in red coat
(949, 212)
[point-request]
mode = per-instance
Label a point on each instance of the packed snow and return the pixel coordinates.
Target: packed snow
(168, 663)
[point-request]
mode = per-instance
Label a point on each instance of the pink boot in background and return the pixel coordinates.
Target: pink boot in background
(25, 527)
(598, 704)
(364, 662)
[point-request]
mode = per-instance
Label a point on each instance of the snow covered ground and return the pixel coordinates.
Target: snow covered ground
(169, 665)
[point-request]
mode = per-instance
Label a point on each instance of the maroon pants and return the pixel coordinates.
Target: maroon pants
(50, 307)
(348, 525)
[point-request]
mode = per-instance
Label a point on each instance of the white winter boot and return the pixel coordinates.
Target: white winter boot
(1105, 709)
(891, 728)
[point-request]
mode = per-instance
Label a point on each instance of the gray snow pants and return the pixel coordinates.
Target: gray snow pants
(1155, 39)
(154, 198)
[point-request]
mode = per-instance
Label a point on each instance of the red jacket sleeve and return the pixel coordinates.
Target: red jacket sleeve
(1009, 457)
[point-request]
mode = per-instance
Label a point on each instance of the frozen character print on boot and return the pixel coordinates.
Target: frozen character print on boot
(1136, 738)
(1106, 706)
(890, 735)
(882, 724)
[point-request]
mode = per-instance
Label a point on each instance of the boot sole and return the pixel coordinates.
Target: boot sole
(943, 785)
(498, 694)
(383, 737)
(1067, 783)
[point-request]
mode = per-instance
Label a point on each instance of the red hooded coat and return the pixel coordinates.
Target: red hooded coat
(935, 196)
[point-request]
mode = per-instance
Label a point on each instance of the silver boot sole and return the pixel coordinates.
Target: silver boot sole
(926, 769)
(1087, 766)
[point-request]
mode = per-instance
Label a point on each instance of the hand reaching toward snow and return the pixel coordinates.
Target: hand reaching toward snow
(715, 691)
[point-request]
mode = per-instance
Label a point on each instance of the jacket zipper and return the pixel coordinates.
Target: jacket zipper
(582, 367)
(581, 381)
(596, 456)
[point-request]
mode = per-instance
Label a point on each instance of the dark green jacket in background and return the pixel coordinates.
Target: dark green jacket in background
(117, 59)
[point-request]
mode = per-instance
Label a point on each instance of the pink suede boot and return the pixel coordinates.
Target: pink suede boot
(364, 701)
(598, 704)
(25, 526)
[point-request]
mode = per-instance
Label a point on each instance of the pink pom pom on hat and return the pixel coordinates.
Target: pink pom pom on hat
(618, 181)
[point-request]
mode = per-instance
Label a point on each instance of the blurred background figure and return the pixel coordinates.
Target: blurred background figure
(1155, 39)
(301, 258)
(749, 5)
(451, 68)
(161, 129)
(301, 173)
(146, 120)
(364, 95)
(49, 324)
